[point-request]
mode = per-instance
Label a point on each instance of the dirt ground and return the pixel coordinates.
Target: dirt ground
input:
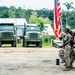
(31, 61)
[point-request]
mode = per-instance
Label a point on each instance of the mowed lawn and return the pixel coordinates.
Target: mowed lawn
(21, 45)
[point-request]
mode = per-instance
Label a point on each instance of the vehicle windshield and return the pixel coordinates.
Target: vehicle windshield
(36, 28)
(2, 28)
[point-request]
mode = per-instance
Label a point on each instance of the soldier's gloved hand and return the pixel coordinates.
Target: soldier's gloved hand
(60, 38)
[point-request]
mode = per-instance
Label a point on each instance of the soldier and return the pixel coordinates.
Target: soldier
(61, 51)
(72, 58)
(67, 48)
(72, 53)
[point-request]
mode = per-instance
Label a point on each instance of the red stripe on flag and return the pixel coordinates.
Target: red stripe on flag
(57, 15)
(59, 8)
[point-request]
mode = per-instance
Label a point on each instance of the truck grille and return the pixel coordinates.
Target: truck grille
(33, 35)
(6, 35)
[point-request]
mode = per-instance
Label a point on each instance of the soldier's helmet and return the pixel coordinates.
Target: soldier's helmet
(67, 28)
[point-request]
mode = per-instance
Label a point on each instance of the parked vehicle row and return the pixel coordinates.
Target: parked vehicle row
(31, 35)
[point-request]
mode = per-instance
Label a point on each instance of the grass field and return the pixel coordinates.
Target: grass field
(20, 44)
(43, 44)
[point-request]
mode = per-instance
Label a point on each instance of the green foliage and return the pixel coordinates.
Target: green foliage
(12, 11)
(34, 19)
(3, 12)
(41, 25)
(28, 13)
(46, 39)
(39, 16)
(69, 5)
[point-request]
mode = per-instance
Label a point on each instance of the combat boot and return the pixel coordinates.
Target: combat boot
(67, 68)
(71, 67)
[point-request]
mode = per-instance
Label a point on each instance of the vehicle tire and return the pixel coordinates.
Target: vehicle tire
(0, 43)
(14, 43)
(23, 42)
(40, 44)
(37, 44)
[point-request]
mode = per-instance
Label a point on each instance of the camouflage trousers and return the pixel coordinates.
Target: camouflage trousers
(72, 56)
(68, 56)
(61, 54)
(65, 55)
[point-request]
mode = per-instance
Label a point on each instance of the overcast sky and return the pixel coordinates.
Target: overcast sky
(33, 4)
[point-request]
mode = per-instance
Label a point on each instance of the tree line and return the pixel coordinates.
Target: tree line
(37, 16)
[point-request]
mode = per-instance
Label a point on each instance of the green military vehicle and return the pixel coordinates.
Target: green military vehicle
(7, 34)
(32, 36)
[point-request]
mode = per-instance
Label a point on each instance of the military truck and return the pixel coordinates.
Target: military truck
(7, 34)
(32, 36)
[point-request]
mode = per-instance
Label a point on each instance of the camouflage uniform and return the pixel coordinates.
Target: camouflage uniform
(72, 52)
(61, 55)
(61, 51)
(72, 56)
(67, 54)
(67, 49)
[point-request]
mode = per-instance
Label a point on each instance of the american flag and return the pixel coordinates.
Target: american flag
(57, 15)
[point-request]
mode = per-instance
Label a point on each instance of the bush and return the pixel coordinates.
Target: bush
(46, 39)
